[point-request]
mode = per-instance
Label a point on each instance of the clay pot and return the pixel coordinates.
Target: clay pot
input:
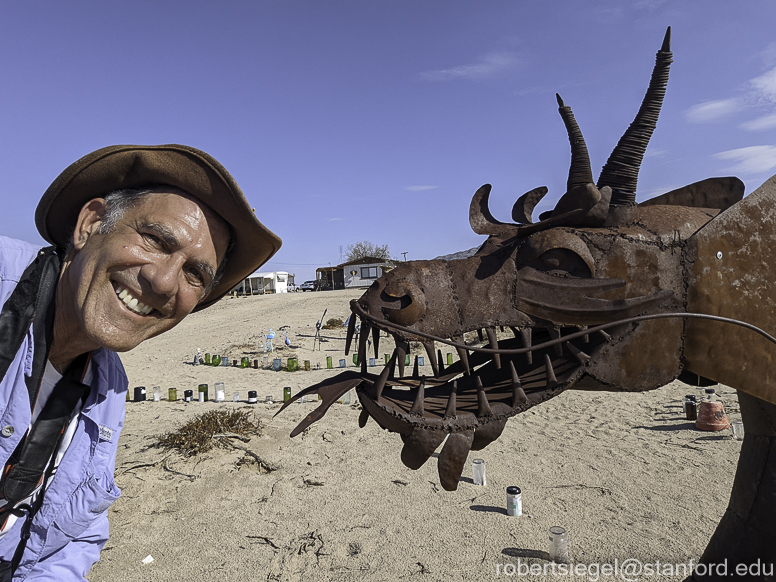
(711, 416)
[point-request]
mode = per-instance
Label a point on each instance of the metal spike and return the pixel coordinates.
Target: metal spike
(382, 378)
(578, 354)
(555, 334)
(451, 411)
(376, 340)
(362, 339)
(430, 351)
(418, 405)
(585, 338)
(391, 365)
(463, 355)
(483, 407)
(525, 335)
(493, 342)
(605, 335)
(441, 362)
(515, 331)
(551, 380)
(402, 349)
(362, 418)
(351, 331)
(415, 368)
(518, 394)
(479, 335)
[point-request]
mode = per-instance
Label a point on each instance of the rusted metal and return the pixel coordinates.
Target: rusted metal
(599, 294)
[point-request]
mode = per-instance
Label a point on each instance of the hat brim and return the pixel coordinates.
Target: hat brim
(135, 166)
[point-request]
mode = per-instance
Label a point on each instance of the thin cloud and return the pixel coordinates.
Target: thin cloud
(710, 111)
(334, 219)
(489, 66)
(760, 124)
(764, 86)
(420, 188)
(656, 153)
(750, 160)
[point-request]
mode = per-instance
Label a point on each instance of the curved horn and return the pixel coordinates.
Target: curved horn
(480, 218)
(580, 172)
(524, 207)
(621, 171)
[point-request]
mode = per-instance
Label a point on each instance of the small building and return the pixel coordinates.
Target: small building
(353, 274)
(261, 283)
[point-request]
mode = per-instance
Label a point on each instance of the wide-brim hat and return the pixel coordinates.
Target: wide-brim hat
(135, 166)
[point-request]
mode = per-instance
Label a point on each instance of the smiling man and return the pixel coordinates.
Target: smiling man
(142, 236)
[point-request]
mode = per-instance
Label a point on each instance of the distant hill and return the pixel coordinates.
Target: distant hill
(459, 255)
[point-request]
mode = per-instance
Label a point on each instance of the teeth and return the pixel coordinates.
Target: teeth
(451, 402)
(402, 349)
(483, 407)
(430, 347)
(525, 334)
(518, 394)
(440, 361)
(549, 372)
(418, 405)
(493, 342)
(376, 339)
(555, 334)
(578, 354)
(351, 331)
(131, 302)
(463, 355)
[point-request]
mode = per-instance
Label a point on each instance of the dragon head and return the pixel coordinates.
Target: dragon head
(542, 306)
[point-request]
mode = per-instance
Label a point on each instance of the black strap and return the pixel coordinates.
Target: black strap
(45, 435)
(34, 289)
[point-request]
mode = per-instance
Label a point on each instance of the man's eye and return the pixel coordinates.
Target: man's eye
(153, 239)
(195, 277)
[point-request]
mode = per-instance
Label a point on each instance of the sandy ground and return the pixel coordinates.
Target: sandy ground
(626, 475)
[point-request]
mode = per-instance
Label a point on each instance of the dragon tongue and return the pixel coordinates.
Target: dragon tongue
(453, 458)
(419, 445)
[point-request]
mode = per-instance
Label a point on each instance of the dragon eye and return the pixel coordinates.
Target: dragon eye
(558, 251)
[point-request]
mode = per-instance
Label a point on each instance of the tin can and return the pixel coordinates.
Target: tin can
(514, 501)
(188, 395)
(328, 363)
(140, 393)
(252, 397)
(286, 393)
(172, 394)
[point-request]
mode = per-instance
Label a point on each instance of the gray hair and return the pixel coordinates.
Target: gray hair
(119, 201)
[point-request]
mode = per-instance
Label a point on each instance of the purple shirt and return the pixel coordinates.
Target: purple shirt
(71, 527)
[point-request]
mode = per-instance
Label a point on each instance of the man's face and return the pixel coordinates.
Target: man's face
(143, 277)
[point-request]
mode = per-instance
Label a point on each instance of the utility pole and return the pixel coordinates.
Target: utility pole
(405, 255)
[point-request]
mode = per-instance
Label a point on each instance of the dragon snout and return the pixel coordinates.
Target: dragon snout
(411, 302)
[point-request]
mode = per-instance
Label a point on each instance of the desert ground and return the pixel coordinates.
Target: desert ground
(625, 474)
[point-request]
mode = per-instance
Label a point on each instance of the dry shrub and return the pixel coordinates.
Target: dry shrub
(334, 323)
(196, 436)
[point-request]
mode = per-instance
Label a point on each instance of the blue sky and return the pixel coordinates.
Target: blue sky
(352, 120)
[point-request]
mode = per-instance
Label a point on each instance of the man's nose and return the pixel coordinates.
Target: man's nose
(164, 274)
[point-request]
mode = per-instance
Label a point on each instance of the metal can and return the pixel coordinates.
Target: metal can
(252, 399)
(286, 393)
(514, 501)
(188, 395)
(140, 393)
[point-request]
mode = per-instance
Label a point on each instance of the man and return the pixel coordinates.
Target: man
(144, 235)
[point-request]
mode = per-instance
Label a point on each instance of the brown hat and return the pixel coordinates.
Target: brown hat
(134, 166)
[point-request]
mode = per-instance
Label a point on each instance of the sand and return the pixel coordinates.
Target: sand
(625, 474)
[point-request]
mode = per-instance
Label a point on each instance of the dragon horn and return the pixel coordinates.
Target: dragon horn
(580, 172)
(621, 171)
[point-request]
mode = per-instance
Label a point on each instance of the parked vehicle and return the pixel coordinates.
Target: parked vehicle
(307, 286)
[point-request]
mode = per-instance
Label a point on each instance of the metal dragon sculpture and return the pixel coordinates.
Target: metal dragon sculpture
(601, 293)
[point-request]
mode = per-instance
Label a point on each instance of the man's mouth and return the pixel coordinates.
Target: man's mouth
(132, 303)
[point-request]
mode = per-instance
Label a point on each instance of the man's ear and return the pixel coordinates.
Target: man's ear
(89, 219)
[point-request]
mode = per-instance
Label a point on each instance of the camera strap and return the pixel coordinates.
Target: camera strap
(32, 303)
